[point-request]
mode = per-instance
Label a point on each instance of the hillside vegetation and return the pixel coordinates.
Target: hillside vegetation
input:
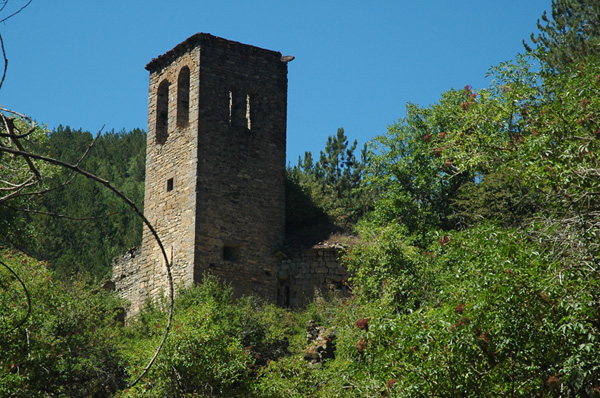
(477, 271)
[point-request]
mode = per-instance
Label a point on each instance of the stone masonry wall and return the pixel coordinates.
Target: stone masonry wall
(307, 274)
(303, 275)
(241, 166)
(170, 209)
(126, 275)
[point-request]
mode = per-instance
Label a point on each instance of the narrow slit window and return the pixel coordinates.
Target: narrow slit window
(249, 111)
(230, 107)
(169, 185)
(162, 112)
(183, 97)
(286, 296)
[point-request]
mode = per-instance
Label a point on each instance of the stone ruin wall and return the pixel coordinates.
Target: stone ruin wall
(306, 274)
(303, 275)
(215, 179)
(126, 278)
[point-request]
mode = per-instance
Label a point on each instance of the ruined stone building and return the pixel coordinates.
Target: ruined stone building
(215, 178)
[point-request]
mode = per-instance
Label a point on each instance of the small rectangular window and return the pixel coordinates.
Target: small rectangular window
(231, 253)
(169, 185)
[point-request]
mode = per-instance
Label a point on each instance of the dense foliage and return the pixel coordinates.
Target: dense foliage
(218, 346)
(20, 178)
(67, 346)
(478, 274)
(79, 227)
(573, 32)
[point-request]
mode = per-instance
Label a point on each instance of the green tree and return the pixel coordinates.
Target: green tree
(332, 182)
(541, 130)
(508, 305)
(81, 225)
(413, 182)
(21, 178)
(573, 32)
(485, 314)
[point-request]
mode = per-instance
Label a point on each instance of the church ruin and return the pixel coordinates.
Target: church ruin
(215, 178)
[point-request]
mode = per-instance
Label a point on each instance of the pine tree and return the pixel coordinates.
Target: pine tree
(572, 33)
(333, 181)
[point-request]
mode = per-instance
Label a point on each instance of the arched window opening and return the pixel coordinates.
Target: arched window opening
(183, 97)
(162, 112)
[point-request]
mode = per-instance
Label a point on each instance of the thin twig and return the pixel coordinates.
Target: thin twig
(9, 123)
(34, 193)
(31, 130)
(4, 5)
(5, 61)
(18, 192)
(90, 146)
(13, 187)
(52, 214)
(21, 115)
(16, 12)
(21, 186)
(26, 294)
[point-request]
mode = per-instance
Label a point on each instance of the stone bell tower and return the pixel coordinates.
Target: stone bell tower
(215, 166)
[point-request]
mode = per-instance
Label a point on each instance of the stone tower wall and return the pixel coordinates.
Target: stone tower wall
(170, 194)
(215, 170)
(241, 166)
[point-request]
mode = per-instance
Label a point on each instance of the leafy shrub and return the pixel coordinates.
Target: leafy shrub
(217, 346)
(386, 266)
(501, 318)
(68, 346)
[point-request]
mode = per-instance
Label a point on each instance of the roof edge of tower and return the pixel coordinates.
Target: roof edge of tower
(205, 39)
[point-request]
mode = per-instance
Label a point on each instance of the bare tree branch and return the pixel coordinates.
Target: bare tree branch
(4, 5)
(18, 188)
(17, 192)
(5, 61)
(9, 123)
(107, 184)
(90, 146)
(31, 130)
(13, 187)
(16, 12)
(21, 115)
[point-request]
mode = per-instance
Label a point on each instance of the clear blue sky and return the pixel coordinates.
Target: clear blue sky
(358, 63)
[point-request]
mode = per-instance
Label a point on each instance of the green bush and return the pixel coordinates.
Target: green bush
(501, 318)
(68, 345)
(216, 347)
